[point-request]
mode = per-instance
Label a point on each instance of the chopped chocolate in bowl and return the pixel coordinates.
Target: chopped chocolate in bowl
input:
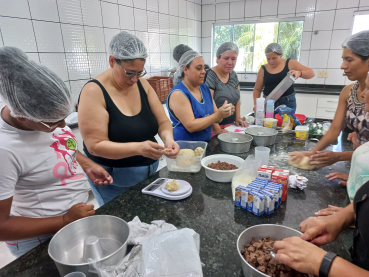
(257, 255)
(222, 166)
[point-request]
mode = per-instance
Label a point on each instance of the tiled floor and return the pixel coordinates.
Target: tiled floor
(6, 257)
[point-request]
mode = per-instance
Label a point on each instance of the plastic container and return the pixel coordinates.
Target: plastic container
(326, 127)
(302, 132)
(260, 112)
(262, 152)
(75, 274)
(300, 117)
(187, 163)
(270, 123)
(269, 113)
(221, 176)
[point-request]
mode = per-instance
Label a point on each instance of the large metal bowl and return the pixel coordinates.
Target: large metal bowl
(234, 142)
(262, 136)
(275, 232)
(67, 244)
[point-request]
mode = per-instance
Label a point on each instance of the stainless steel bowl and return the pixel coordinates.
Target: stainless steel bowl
(66, 248)
(234, 142)
(262, 136)
(275, 232)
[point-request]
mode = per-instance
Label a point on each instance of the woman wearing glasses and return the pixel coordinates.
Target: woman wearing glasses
(43, 186)
(119, 114)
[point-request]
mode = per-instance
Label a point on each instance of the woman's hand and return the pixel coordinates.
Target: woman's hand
(324, 158)
(78, 211)
(225, 110)
(297, 156)
(233, 109)
(338, 175)
(328, 211)
(300, 255)
(151, 150)
(98, 175)
(322, 230)
(219, 131)
(171, 149)
(240, 122)
(296, 73)
(353, 138)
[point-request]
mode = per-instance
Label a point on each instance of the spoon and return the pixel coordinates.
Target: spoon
(272, 254)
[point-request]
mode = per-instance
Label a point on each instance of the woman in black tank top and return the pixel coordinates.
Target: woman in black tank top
(119, 115)
(272, 73)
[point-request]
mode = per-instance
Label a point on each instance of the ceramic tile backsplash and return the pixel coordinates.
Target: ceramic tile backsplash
(72, 37)
(327, 23)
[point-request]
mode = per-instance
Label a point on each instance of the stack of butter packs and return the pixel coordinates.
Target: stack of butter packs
(266, 193)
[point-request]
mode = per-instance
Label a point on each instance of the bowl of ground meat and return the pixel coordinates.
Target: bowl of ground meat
(221, 167)
(253, 246)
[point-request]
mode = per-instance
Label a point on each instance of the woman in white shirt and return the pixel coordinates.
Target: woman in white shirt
(43, 183)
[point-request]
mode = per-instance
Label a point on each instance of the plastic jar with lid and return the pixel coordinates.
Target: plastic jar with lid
(302, 132)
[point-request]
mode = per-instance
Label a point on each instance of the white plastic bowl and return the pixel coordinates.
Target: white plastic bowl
(222, 176)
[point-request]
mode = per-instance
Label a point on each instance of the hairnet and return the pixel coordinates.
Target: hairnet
(358, 43)
(226, 47)
(185, 60)
(31, 90)
(274, 48)
(125, 46)
(179, 50)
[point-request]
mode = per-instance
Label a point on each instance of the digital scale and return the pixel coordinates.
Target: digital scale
(158, 188)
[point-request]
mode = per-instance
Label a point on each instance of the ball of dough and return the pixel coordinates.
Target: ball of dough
(198, 151)
(302, 164)
(172, 186)
(186, 152)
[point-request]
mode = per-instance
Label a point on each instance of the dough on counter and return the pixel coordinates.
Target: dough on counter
(172, 186)
(198, 151)
(186, 152)
(302, 164)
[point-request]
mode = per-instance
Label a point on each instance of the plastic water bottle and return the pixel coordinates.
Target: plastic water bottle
(260, 113)
(270, 109)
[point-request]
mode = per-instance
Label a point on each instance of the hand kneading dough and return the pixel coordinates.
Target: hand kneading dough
(172, 186)
(303, 163)
(199, 151)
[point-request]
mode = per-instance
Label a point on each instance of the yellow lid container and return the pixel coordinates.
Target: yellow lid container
(302, 132)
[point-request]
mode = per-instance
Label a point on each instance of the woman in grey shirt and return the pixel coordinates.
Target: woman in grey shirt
(224, 85)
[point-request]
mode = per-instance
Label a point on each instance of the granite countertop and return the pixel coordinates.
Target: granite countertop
(210, 211)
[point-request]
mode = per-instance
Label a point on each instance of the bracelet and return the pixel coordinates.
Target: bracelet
(325, 266)
(301, 73)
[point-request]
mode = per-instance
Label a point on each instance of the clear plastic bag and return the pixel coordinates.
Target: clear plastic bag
(247, 173)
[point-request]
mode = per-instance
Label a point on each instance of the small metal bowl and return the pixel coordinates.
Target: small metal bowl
(262, 136)
(235, 142)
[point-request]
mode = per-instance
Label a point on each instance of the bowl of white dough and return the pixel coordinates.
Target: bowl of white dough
(221, 167)
(189, 156)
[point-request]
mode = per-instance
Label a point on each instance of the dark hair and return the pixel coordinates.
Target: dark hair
(179, 50)
(188, 66)
(363, 58)
(129, 60)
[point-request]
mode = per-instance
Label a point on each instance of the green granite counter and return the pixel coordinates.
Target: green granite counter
(211, 213)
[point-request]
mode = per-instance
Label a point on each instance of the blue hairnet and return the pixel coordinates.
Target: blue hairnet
(125, 46)
(31, 90)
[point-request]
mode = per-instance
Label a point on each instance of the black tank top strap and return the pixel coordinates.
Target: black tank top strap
(286, 66)
(108, 101)
(144, 100)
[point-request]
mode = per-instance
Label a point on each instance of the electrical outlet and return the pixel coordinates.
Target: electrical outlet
(320, 73)
(326, 73)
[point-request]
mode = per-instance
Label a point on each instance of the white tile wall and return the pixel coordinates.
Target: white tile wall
(320, 50)
(71, 37)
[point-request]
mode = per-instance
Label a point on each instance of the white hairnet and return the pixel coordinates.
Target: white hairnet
(226, 47)
(185, 60)
(31, 90)
(125, 46)
(274, 47)
(179, 50)
(358, 43)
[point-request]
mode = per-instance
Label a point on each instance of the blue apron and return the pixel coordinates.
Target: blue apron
(199, 109)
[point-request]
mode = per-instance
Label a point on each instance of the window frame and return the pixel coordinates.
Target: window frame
(251, 21)
(359, 12)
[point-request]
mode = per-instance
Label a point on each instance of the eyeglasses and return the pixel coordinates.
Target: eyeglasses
(51, 126)
(132, 74)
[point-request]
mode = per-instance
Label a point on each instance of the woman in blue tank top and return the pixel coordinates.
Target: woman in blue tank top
(191, 107)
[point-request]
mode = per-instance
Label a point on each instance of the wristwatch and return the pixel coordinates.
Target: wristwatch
(325, 266)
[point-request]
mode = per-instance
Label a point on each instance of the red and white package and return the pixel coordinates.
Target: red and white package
(272, 168)
(282, 170)
(281, 178)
